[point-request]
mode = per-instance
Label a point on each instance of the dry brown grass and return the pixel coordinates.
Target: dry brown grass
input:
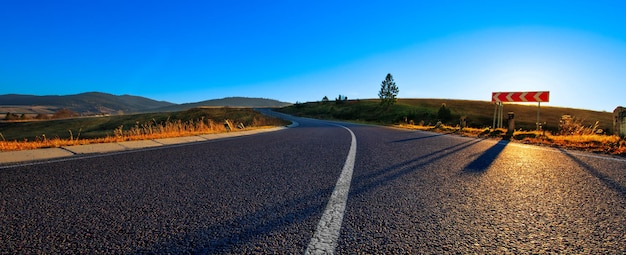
(525, 114)
(145, 131)
(50, 143)
(78, 131)
(610, 144)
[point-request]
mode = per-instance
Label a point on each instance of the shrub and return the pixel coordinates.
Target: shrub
(444, 113)
(41, 116)
(496, 133)
(522, 136)
(341, 99)
(64, 113)
(11, 116)
(570, 125)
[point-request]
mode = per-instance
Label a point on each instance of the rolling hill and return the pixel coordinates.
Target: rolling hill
(247, 102)
(93, 103)
(85, 103)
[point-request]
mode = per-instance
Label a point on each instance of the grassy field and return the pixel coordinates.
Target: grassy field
(423, 114)
(479, 114)
(55, 133)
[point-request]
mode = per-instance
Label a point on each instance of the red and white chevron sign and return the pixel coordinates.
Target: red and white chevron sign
(535, 96)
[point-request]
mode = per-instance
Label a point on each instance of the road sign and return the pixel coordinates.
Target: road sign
(519, 97)
(534, 96)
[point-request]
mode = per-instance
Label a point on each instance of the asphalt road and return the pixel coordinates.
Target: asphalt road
(408, 193)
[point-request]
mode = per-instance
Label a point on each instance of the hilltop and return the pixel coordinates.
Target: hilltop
(247, 102)
(89, 103)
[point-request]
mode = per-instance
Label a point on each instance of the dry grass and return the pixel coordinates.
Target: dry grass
(50, 143)
(79, 131)
(480, 113)
(145, 131)
(610, 144)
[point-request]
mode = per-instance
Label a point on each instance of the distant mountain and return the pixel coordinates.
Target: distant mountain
(228, 102)
(96, 103)
(85, 103)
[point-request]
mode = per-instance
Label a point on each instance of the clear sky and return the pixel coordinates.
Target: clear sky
(189, 51)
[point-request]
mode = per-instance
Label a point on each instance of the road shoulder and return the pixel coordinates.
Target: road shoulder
(13, 157)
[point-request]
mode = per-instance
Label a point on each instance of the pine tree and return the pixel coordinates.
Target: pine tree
(388, 91)
(341, 99)
(444, 114)
(325, 99)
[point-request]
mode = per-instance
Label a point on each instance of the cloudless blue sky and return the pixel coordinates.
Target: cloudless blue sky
(189, 51)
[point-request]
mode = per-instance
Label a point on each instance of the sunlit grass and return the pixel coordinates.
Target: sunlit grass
(589, 142)
(597, 143)
(50, 143)
(141, 131)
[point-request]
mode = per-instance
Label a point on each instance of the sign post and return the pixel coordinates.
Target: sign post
(520, 97)
(495, 115)
(538, 111)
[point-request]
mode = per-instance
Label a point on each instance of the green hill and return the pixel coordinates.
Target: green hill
(94, 103)
(98, 127)
(247, 102)
(85, 103)
(478, 113)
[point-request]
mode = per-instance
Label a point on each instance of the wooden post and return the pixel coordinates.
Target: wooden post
(538, 111)
(501, 115)
(495, 115)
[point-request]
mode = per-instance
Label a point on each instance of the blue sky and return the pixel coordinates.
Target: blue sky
(189, 51)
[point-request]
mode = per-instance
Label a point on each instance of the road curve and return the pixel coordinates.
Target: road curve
(426, 193)
(410, 192)
(263, 193)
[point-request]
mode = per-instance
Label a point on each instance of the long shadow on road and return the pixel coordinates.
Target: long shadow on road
(367, 182)
(482, 163)
(240, 232)
(602, 177)
(417, 138)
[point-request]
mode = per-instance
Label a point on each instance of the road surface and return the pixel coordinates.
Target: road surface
(319, 187)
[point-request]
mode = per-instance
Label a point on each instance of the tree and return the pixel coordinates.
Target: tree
(11, 116)
(325, 99)
(388, 91)
(341, 99)
(64, 113)
(444, 113)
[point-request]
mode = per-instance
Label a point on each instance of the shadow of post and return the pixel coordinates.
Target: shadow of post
(365, 183)
(482, 163)
(417, 138)
(605, 179)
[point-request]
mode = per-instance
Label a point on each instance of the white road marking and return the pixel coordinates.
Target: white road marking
(324, 240)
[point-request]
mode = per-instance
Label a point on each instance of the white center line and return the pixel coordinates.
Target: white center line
(324, 240)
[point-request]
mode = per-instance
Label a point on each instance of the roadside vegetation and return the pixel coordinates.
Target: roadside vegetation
(24, 135)
(561, 127)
